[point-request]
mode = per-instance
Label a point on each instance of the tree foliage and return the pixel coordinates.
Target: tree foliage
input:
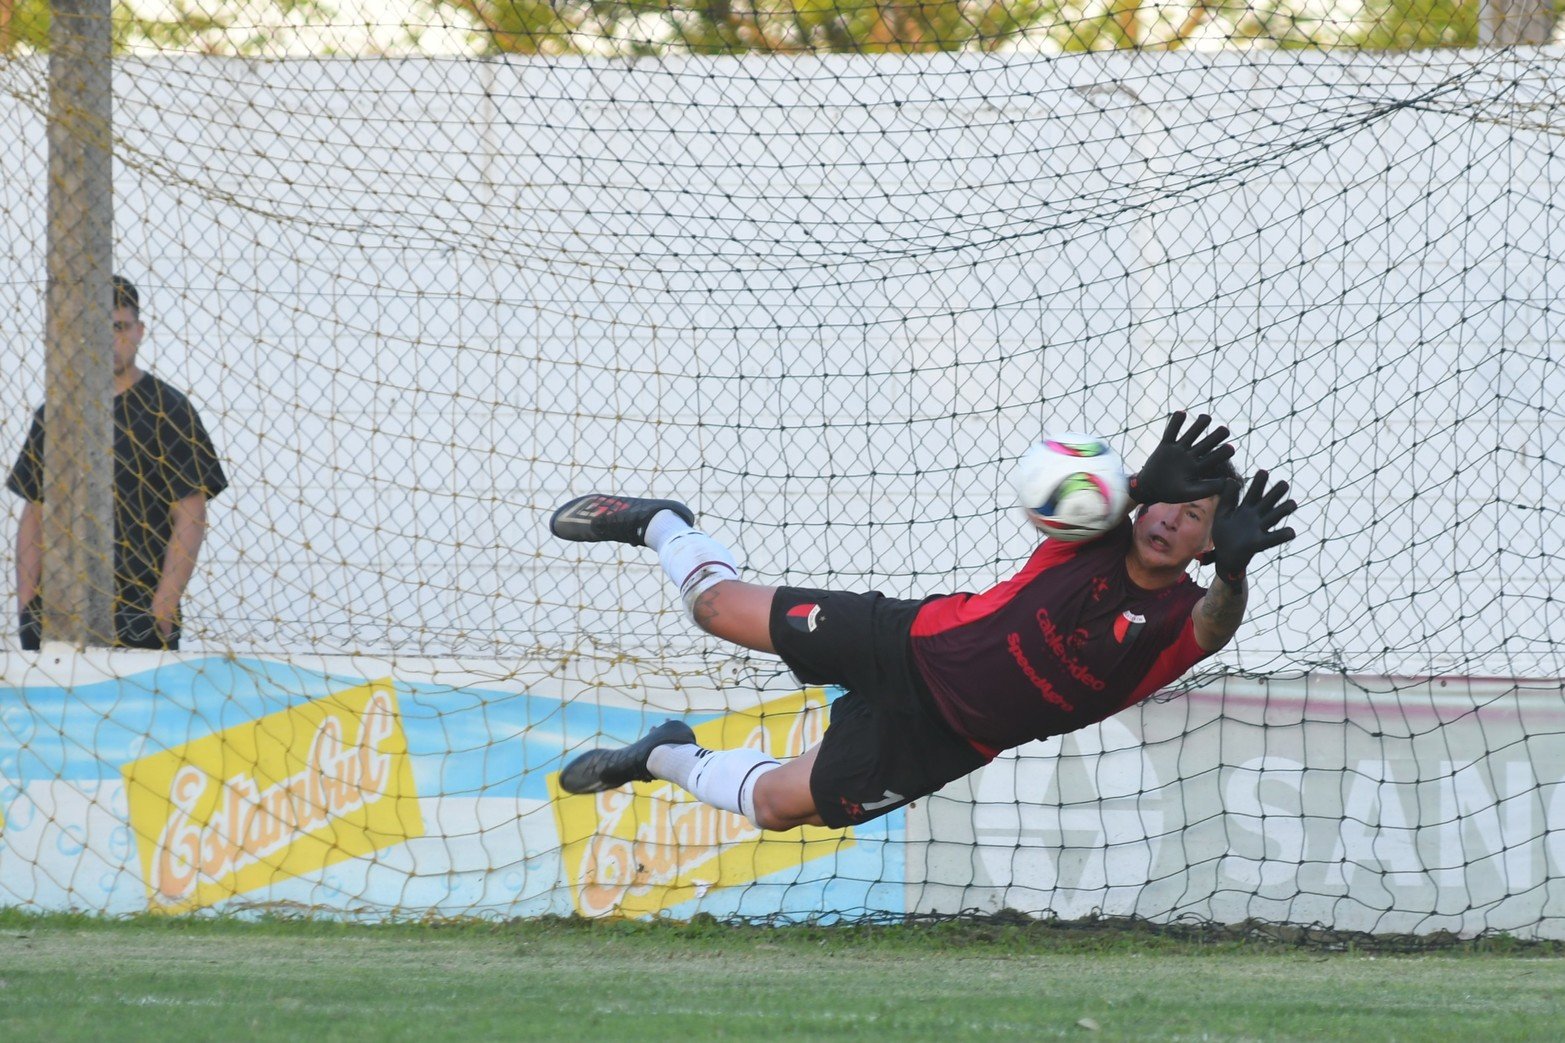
(24, 24)
(635, 27)
(1408, 25)
(645, 27)
(243, 27)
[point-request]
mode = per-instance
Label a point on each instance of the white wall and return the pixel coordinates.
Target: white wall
(1355, 803)
(828, 301)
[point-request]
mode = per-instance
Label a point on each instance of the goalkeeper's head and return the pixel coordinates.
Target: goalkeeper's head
(1167, 537)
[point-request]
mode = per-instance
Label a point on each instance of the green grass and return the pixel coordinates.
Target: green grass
(70, 978)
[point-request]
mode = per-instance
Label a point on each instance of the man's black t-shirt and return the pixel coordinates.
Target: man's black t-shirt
(162, 454)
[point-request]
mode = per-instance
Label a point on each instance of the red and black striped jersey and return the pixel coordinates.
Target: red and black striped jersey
(1066, 642)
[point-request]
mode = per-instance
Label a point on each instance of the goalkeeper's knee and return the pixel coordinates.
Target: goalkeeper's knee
(696, 563)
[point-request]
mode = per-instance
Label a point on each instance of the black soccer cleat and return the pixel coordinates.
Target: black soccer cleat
(599, 770)
(597, 518)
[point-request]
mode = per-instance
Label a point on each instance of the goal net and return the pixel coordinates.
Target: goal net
(827, 299)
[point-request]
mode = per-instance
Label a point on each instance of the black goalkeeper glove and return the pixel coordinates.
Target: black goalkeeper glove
(1242, 529)
(1181, 469)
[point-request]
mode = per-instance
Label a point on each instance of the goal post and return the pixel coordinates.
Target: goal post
(76, 535)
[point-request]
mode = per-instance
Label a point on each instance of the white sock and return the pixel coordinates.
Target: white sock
(674, 762)
(725, 779)
(663, 525)
(695, 562)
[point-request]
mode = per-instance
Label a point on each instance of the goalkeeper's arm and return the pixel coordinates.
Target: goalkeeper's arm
(1242, 529)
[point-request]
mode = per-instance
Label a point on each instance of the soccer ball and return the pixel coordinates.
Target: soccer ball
(1072, 486)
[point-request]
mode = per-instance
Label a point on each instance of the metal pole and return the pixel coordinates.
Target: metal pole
(78, 521)
(1510, 23)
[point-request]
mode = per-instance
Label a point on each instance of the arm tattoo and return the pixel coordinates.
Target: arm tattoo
(1222, 610)
(703, 610)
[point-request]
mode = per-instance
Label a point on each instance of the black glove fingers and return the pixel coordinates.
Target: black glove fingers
(1271, 518)
(1171, 432)
(1202, 422)
(1229, 497)
(1213, 462)
(1217, 437)
(1275, 539)
(1274, 496)
(1252, 496)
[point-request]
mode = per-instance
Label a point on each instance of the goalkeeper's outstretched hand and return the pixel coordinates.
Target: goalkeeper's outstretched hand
(1244, 528)
(1181, 469)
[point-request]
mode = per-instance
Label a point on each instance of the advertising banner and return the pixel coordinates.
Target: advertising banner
(357, 788)
(367, 789)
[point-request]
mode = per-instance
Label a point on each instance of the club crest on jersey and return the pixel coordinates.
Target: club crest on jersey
(805, 618)
(1127, 626)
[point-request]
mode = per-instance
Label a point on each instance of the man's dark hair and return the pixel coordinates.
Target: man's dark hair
(126, 296)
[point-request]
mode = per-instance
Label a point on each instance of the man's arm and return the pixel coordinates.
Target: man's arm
(179, 561)
(29, 553)
(1217, 616)
(1241, 530)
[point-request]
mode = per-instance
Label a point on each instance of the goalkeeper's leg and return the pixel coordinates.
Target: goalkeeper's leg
(746, 781)
(783, 798)
(703, 569)
(771, 794)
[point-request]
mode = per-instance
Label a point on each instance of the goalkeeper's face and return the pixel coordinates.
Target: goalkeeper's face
(1171, 535)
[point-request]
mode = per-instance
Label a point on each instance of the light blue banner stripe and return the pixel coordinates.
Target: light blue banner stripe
(463, 741)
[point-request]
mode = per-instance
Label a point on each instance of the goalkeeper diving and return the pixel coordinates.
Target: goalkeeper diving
(936, 688)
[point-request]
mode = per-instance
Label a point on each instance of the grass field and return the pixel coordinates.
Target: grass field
(69, 978)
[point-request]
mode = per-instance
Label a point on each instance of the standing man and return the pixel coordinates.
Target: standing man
(165, 471)
(935, 688)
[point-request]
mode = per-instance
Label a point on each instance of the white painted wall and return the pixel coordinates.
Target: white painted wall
(1356, 803)
(828, 301)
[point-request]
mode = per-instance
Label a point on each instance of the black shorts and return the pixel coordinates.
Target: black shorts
(887, 743)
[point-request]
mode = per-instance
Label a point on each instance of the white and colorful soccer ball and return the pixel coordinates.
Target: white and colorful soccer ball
(1072, 486)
